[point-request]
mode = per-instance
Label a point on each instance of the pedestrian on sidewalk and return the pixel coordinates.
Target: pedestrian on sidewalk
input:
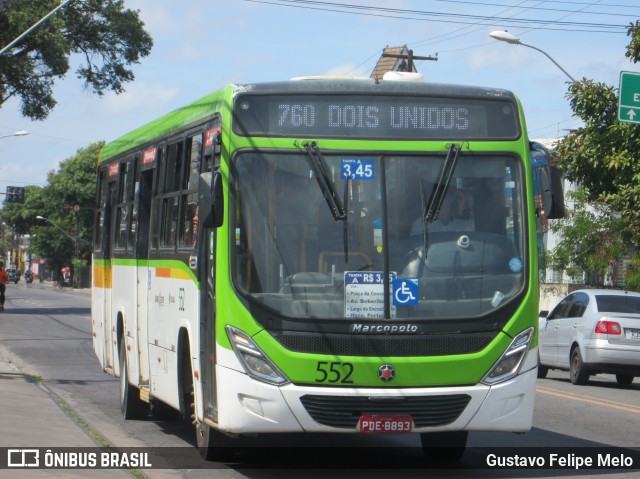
(4, 279)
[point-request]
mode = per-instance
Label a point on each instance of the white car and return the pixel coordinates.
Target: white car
(592, 331)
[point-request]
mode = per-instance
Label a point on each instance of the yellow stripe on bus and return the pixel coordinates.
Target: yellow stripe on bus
(102, 276)
(174, 273)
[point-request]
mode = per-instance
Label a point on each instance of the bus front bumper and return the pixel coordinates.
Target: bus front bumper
(247, 406)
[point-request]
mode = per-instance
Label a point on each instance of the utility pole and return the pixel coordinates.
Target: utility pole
(409, 57)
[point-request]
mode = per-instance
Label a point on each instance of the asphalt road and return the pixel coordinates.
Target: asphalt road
(46, 332)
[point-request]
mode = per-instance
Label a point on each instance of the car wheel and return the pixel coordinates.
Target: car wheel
(624, 379)
(578, 372)
(542, 371)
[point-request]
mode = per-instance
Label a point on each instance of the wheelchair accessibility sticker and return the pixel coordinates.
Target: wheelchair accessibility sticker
(405, 292)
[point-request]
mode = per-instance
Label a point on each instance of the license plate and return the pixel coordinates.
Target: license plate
(385, 424)
(632, 333)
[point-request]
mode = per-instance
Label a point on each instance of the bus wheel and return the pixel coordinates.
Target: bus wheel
(131, 405)
(440, 447)
(211, 443)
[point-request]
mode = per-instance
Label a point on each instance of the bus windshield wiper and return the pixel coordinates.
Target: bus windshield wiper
(431, 208)
(329, 190)
(325, 182)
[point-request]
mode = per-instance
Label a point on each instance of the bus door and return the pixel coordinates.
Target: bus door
(206, 236)
(206, 277)
(143, 271)
(109, 320)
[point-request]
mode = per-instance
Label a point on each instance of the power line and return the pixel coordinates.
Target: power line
(421, 15)
(547, 9)
(544, 9)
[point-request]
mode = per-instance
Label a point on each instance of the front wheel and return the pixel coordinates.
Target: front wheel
(211, 443)
(441, 447)
(578, 372)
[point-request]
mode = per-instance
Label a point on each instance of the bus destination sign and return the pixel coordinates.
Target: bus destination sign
(382, 117)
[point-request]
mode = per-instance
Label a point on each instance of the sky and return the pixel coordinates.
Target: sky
(202, 45)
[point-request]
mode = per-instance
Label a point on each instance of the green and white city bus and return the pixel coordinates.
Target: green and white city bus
(323, 255)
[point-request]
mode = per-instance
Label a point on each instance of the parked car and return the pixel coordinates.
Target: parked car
(592, 331)
(14, 275)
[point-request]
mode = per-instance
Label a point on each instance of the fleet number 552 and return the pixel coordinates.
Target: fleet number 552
(334, 372)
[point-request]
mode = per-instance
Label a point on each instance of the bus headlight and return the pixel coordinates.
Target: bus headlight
(255, 362)
(510, 362)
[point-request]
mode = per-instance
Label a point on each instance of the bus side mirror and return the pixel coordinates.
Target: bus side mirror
(551, 191)
(210, 200)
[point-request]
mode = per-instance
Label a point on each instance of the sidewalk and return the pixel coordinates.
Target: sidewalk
(30, 418)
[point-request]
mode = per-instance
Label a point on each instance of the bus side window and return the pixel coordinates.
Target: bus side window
(170, 200)
(133, 199)
(123, 207)
(156, 203)
(100, 201)
(190, 179)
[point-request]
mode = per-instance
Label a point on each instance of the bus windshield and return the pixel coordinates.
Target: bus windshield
(293, 255)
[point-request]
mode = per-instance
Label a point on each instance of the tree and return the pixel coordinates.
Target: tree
(108, 38)
(67, 201)
(592, 237)
(603, 155)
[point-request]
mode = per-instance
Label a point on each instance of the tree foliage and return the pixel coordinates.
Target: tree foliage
(67, 201)
(591, 238)
(103, 34)
(602, 157)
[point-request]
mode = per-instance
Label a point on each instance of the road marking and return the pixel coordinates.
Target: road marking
(590, 399)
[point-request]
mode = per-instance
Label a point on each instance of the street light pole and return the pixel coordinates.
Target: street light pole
(17, 133)
(509, 38)
(34, 26)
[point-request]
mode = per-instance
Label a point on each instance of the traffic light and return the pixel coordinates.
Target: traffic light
(15, 194)
(10, 197)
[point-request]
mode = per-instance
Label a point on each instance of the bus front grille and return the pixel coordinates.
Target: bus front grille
(345, 411)
(384, 345)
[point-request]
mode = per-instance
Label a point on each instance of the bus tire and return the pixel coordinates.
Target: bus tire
(442, 447)
(211, 443)
(131, 405)
(578, 373)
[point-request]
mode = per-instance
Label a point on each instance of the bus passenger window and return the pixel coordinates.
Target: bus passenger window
(173, 168)
(189, 220)
(194, 155)
(169, 221)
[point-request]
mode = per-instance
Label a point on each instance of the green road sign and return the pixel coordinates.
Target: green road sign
(629, 102)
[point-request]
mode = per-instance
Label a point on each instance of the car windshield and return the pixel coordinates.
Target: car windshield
(293, 254)
(609, 303)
